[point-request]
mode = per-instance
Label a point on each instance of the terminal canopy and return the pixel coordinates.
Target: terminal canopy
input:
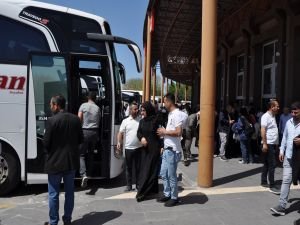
(176, 32)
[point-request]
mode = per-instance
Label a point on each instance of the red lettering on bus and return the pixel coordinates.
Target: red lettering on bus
(3, 81)
(12, 83)
(16, 83)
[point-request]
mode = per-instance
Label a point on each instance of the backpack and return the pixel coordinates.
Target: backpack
(249, 128)
(234, 128)
(235, 134)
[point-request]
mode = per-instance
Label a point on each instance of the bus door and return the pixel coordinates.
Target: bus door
(92, 74)
(48, 76)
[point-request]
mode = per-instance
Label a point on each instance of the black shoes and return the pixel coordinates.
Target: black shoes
(274, 189)
(84, 181)
(171, 203)
(140, 198)
(128, 189)
(186, 162)
(163, 199)
(168, 201)
(278, 210)
(223, 158)
(265, 185)
(65, 223)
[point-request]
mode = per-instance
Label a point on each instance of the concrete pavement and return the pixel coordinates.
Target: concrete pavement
(236, 199)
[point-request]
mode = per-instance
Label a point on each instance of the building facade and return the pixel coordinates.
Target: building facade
(259, 54)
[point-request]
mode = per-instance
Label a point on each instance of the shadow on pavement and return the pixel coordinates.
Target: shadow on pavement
(238, 176)
(193, 198)
(293, 207)
(33, 189)
(95, 184)
(97, 218)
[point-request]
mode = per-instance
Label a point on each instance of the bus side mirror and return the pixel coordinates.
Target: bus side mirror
(134, 48)
(137, 55)
(122, 73)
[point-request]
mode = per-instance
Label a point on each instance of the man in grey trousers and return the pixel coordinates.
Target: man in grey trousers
(225, 122)
(289, 148)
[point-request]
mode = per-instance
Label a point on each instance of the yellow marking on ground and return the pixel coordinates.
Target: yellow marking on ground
(6, 206)
(205, 191)
(129, 195)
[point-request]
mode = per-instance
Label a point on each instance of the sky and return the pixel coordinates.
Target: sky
(126, 19)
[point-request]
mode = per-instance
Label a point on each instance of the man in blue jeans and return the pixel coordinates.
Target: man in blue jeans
(172, 151)
(61, 141)
(269, 136)
(289, 147)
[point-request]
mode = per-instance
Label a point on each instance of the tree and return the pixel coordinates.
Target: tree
(134, 84)
(137, 84)
(180, 91)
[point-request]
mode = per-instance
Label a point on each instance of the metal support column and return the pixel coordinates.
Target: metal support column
(148, 60)
(144, 75)
(154, 83)
(162, 89)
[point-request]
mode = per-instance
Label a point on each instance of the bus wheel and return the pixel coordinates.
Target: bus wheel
(9, 172)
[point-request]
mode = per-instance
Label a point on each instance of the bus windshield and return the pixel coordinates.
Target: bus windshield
(69, 30)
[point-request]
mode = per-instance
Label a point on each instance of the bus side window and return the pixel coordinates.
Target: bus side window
(15, 47)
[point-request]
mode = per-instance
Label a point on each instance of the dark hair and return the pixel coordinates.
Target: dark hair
(133, 104)
(243, 111)
(59, 100)
(272, 102)
(92, 95)
(252, 111)
(295, 106)
(188, 108)
(150, 110)
(197, 108)
(170, 97)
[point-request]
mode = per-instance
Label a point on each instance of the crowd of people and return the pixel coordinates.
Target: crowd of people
(268, 137)
(153, 141)
(238, 132)
(244, 132)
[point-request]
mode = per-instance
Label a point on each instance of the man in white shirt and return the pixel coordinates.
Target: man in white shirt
(172, 151)
(128, 128)
(270, 139)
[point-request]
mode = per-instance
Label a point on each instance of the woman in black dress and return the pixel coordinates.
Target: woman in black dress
(150, 152)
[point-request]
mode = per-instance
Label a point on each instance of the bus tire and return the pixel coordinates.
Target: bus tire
(9, 172)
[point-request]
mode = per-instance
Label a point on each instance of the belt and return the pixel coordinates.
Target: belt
(95, 129)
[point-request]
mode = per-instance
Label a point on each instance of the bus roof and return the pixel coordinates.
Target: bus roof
(12, 8)
(133, 91)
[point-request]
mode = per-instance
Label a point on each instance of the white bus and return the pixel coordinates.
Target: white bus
(129, 96)
(45, 50)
